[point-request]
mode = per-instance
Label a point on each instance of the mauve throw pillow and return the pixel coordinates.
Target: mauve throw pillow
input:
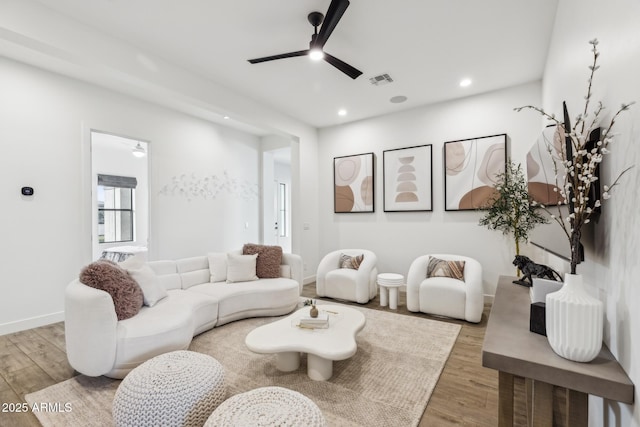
(269, 259)
(124, 290)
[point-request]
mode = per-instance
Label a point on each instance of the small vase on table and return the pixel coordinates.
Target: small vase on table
(313, 312)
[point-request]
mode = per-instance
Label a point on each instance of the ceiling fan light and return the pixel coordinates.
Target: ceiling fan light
(316, 54)
(138, 151)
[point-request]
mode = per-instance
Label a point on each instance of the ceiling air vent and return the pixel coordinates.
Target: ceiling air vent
(380, 80)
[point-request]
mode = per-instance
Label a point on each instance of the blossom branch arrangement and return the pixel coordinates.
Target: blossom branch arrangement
(577, 173)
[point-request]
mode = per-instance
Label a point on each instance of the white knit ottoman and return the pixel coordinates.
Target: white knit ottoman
(267, 407)
(180, 388)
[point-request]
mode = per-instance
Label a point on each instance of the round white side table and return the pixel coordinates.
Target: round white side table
(389, 284)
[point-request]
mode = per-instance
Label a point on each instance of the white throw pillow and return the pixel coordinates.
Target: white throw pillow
(217, 266)
(152, 290)
(241, 268)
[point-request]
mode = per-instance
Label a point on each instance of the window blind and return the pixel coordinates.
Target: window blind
(117, 181)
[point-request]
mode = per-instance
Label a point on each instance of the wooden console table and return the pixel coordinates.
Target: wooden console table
(514, 351)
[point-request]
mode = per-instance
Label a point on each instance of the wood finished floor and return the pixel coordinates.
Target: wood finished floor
(466, 393)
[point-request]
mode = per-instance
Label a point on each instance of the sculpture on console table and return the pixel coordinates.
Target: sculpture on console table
(530, 268)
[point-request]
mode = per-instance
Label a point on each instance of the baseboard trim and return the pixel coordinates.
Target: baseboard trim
(30, 323)
(309, 279)
(488, 298)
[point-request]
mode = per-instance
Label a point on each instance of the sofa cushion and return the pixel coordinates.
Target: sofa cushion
(165, 327)
(109, 277)
(241, 268)
(193, 271)
(203, 307)
(146, 278)
(452, 296)
(269, 259)
(167, 272)
(340, 283)
(249, 296)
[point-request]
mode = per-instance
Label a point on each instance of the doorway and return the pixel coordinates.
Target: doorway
(119, 195)
(276, 167)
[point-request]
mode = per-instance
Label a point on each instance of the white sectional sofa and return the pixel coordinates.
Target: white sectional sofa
(98, 344)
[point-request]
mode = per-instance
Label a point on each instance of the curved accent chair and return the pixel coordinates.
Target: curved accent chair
(347, 283)
(446, 296)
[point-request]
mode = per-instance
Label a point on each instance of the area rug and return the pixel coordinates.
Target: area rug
(387, 383)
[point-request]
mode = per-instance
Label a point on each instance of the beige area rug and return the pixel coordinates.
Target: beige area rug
(387, 383)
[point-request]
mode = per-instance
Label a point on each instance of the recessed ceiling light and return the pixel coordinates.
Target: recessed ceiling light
(398, 99)
(465, 82)
(226, 117)
(342, 112)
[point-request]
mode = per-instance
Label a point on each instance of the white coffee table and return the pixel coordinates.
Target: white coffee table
(389, 284)
(323, 346)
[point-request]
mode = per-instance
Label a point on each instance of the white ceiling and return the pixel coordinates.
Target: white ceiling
(427, 47)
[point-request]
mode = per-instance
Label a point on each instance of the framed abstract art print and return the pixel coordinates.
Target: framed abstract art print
(408, 179)
(471, 169)
(353, 183)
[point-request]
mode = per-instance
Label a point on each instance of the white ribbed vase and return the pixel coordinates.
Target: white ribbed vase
(574, 321)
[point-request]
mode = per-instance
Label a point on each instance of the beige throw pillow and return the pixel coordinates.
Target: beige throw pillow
(441, 268)
(353, 262)
(241, 268)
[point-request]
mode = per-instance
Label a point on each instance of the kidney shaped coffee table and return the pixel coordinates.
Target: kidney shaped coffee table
(323, 346)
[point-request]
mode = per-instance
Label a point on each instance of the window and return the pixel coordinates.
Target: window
(282, 209)
(115, 208)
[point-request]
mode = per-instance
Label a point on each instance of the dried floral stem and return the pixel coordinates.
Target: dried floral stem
(580, 171)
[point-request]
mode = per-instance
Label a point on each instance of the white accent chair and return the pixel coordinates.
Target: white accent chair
(445, 296)
(346, 283)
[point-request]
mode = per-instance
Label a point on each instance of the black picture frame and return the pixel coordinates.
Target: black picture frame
(470, 169)
(354, 183)
(407, 179)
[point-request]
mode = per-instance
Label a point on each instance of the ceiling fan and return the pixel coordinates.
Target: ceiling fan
(319, 38)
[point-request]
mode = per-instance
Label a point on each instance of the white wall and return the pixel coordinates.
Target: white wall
(198, 157)
(32, 33)
(398, 238)
(611, 268)
(45, 140)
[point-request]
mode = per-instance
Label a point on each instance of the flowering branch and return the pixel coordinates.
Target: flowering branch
(580, 167)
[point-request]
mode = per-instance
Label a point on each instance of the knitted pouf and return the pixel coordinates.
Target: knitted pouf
(180, 388)
(267, 406)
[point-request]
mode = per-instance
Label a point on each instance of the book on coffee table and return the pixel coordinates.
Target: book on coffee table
(322, 321)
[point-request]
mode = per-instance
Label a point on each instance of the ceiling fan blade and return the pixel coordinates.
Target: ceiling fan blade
(342, 66)
(281, 56)
(331, 19)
